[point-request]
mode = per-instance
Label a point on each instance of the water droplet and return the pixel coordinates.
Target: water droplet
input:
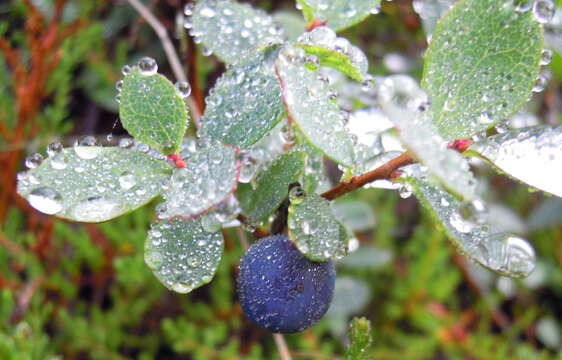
(546, 56)
(147, 66)
(405, 191)
(96, 209)
(46, 200)
(58, 161)
(125, 143)
(207, 11)
(125, 70)
(54, 148)
(34, 161)
(85, 148)
(183, 88)
(127, 180)
(523, 5)
(540, 83)
(544, 10)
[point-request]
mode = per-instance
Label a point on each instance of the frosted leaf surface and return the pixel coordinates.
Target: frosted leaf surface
(314, 229)
(308, 102)
(292, 23)
(181, 254)
(209, 177)
(402, 101)
(152, 110)
(430, 11)
(357, 215)
(230, 29)
(531, 155)
(481, 65)
(245, 103)
(336, 52)
(272, 186)
(468, 225)
(93, 184)
(340, 14)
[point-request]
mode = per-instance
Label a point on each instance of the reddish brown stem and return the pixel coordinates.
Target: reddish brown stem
(383, 172)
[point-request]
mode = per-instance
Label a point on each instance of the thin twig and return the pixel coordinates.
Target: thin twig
(282, 347)
(169, 49)
(382, 172)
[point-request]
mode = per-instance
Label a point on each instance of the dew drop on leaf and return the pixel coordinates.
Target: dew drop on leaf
(46, 200)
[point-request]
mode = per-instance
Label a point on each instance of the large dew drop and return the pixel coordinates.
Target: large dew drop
(96, 209)
(46, 200)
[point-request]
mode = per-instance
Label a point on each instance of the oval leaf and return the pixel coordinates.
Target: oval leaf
(531, 155)
(209, 177)
(339, 14)
(272, 186)
(500, 252)
(152, 110)
(481, 65)
(245, 104)
(93, 184)
(230, 29)
(315, 230)
(181, 254)
(335, 52)
(317, 117)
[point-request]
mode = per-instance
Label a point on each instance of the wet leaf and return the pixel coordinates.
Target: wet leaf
(209, 177)
(401, 99)
(292, 23)
(182, 254)
(315, 230)
(272, 186)
(152, 110)
(470, 230)
(245, 103)
(317, 116)
(340, 14)
(357, 215)
(231, 29)
(335, 52)
(481, 65)
(531, 155)
(430, 11)
(93, 184)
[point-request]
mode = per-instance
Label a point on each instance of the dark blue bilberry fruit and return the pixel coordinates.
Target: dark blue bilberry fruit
(280, 289)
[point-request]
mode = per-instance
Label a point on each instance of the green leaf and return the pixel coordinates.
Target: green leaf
(230, 29)
(343, 305)
(315, 230)
(209, 177)
(272, 186)
(340, 14)
(470, 230)
(291, 22)
(532, 155)
(481, 65)
(400, 99)
(360, 340)
(93, 184)
(336, 60)
(307, 11)
(336, 52)
(430, 11)
(245, 104)
(357, 215)
(152, 110)
(318, 117)
(181, 254)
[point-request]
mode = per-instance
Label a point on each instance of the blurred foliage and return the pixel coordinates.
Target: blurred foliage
(70, 291)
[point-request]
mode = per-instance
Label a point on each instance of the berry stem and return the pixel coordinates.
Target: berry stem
(282, 346)
(383, 172)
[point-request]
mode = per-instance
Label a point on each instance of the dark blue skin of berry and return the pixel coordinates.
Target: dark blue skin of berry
(280, 289)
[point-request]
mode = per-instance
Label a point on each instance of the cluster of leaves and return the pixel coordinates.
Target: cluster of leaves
(245, 114)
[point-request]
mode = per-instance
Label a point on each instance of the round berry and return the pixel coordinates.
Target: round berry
(280, 289)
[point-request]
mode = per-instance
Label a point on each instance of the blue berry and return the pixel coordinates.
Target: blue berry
(280, 289)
